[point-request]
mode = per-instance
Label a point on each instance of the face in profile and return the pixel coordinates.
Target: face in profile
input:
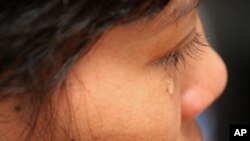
(147, 80)
(144, 80)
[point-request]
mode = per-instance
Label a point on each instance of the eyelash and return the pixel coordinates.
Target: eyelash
(191, 49)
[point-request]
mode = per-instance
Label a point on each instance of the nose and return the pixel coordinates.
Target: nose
(202, 83)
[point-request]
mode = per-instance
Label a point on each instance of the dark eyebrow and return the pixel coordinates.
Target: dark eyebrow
(181, 8)
(187, 5)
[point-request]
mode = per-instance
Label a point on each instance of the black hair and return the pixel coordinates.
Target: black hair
(40, 41)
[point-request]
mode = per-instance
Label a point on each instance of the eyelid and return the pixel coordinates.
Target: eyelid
(190, 36)
(190, 46)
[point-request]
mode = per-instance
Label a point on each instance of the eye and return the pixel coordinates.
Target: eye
(191, 49)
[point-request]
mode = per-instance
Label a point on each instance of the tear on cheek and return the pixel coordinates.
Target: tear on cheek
(170, 86)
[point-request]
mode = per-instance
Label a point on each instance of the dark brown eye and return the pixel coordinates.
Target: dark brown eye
(173, 57)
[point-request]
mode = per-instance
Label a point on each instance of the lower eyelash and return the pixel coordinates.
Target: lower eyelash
(192, 49)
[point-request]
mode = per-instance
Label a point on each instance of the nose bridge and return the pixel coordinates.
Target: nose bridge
(202, 83)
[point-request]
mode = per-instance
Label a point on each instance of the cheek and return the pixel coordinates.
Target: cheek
(125, 101)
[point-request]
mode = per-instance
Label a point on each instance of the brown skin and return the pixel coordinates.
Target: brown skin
(119, 93)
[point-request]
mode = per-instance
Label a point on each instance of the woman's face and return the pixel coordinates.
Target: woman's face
(125, 89)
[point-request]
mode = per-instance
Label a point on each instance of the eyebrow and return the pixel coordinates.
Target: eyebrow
(181, 8)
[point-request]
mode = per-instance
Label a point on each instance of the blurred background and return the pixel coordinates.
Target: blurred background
(227, 24)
